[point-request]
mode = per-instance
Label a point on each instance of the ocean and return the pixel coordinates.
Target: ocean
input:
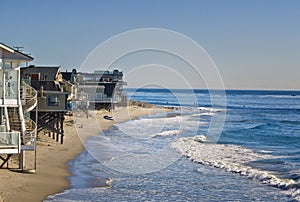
(244, 149)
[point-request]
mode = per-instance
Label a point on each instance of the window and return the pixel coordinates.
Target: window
(53, 100)
(99, 96)
(11, 83)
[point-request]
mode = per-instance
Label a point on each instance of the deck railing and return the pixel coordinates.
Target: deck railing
(28, 97)
(29, 102)
(10, 143)
(28, 140)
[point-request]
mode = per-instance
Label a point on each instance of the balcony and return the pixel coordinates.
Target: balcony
(10, 143)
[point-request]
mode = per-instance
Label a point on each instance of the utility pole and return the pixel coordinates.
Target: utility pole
(20, 49)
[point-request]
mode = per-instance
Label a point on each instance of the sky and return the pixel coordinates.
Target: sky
(254, 44)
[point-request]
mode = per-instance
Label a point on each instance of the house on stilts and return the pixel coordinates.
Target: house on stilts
(53, 96)
(17, 99)
(103, 89)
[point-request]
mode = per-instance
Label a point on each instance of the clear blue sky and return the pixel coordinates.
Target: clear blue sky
(255, 44)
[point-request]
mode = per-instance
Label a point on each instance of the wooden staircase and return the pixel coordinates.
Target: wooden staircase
(26, 127)
(15, 121)
(18, 133)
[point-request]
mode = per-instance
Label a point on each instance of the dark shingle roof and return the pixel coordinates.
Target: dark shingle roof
(46, 72)
(47, 85)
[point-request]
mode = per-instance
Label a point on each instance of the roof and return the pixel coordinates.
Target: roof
(11, 54)
(49, 73)
(47, 85)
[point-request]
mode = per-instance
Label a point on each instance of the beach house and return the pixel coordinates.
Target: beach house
(17, 99)
(104, 88)
(53, 97)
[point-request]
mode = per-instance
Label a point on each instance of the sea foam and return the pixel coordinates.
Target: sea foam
(167, 133)
(233, 158)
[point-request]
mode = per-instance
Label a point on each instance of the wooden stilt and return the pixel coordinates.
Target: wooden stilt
(62, 128)
(22, 160)
(5, 160)
(57, 126)
(54, 123)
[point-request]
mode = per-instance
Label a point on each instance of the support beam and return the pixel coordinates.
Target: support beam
(5, 160)
(54, 123)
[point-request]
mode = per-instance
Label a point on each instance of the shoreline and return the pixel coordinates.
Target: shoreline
(52, 172)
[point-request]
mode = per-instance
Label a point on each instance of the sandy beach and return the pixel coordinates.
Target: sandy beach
(52, 172)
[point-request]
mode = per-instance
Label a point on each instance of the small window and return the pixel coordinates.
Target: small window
(53, 100)
(35, 77)
(99, 96)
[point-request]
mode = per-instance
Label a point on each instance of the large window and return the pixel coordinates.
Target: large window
(11, 84)
(1, 83)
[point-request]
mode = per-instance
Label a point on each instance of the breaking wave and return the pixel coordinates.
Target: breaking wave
(236, 159)
(209, 109)
(167, 133)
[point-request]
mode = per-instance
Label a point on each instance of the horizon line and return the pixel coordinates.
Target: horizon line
(226, 89)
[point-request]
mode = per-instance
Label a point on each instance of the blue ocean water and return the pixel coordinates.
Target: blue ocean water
(158, 158)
